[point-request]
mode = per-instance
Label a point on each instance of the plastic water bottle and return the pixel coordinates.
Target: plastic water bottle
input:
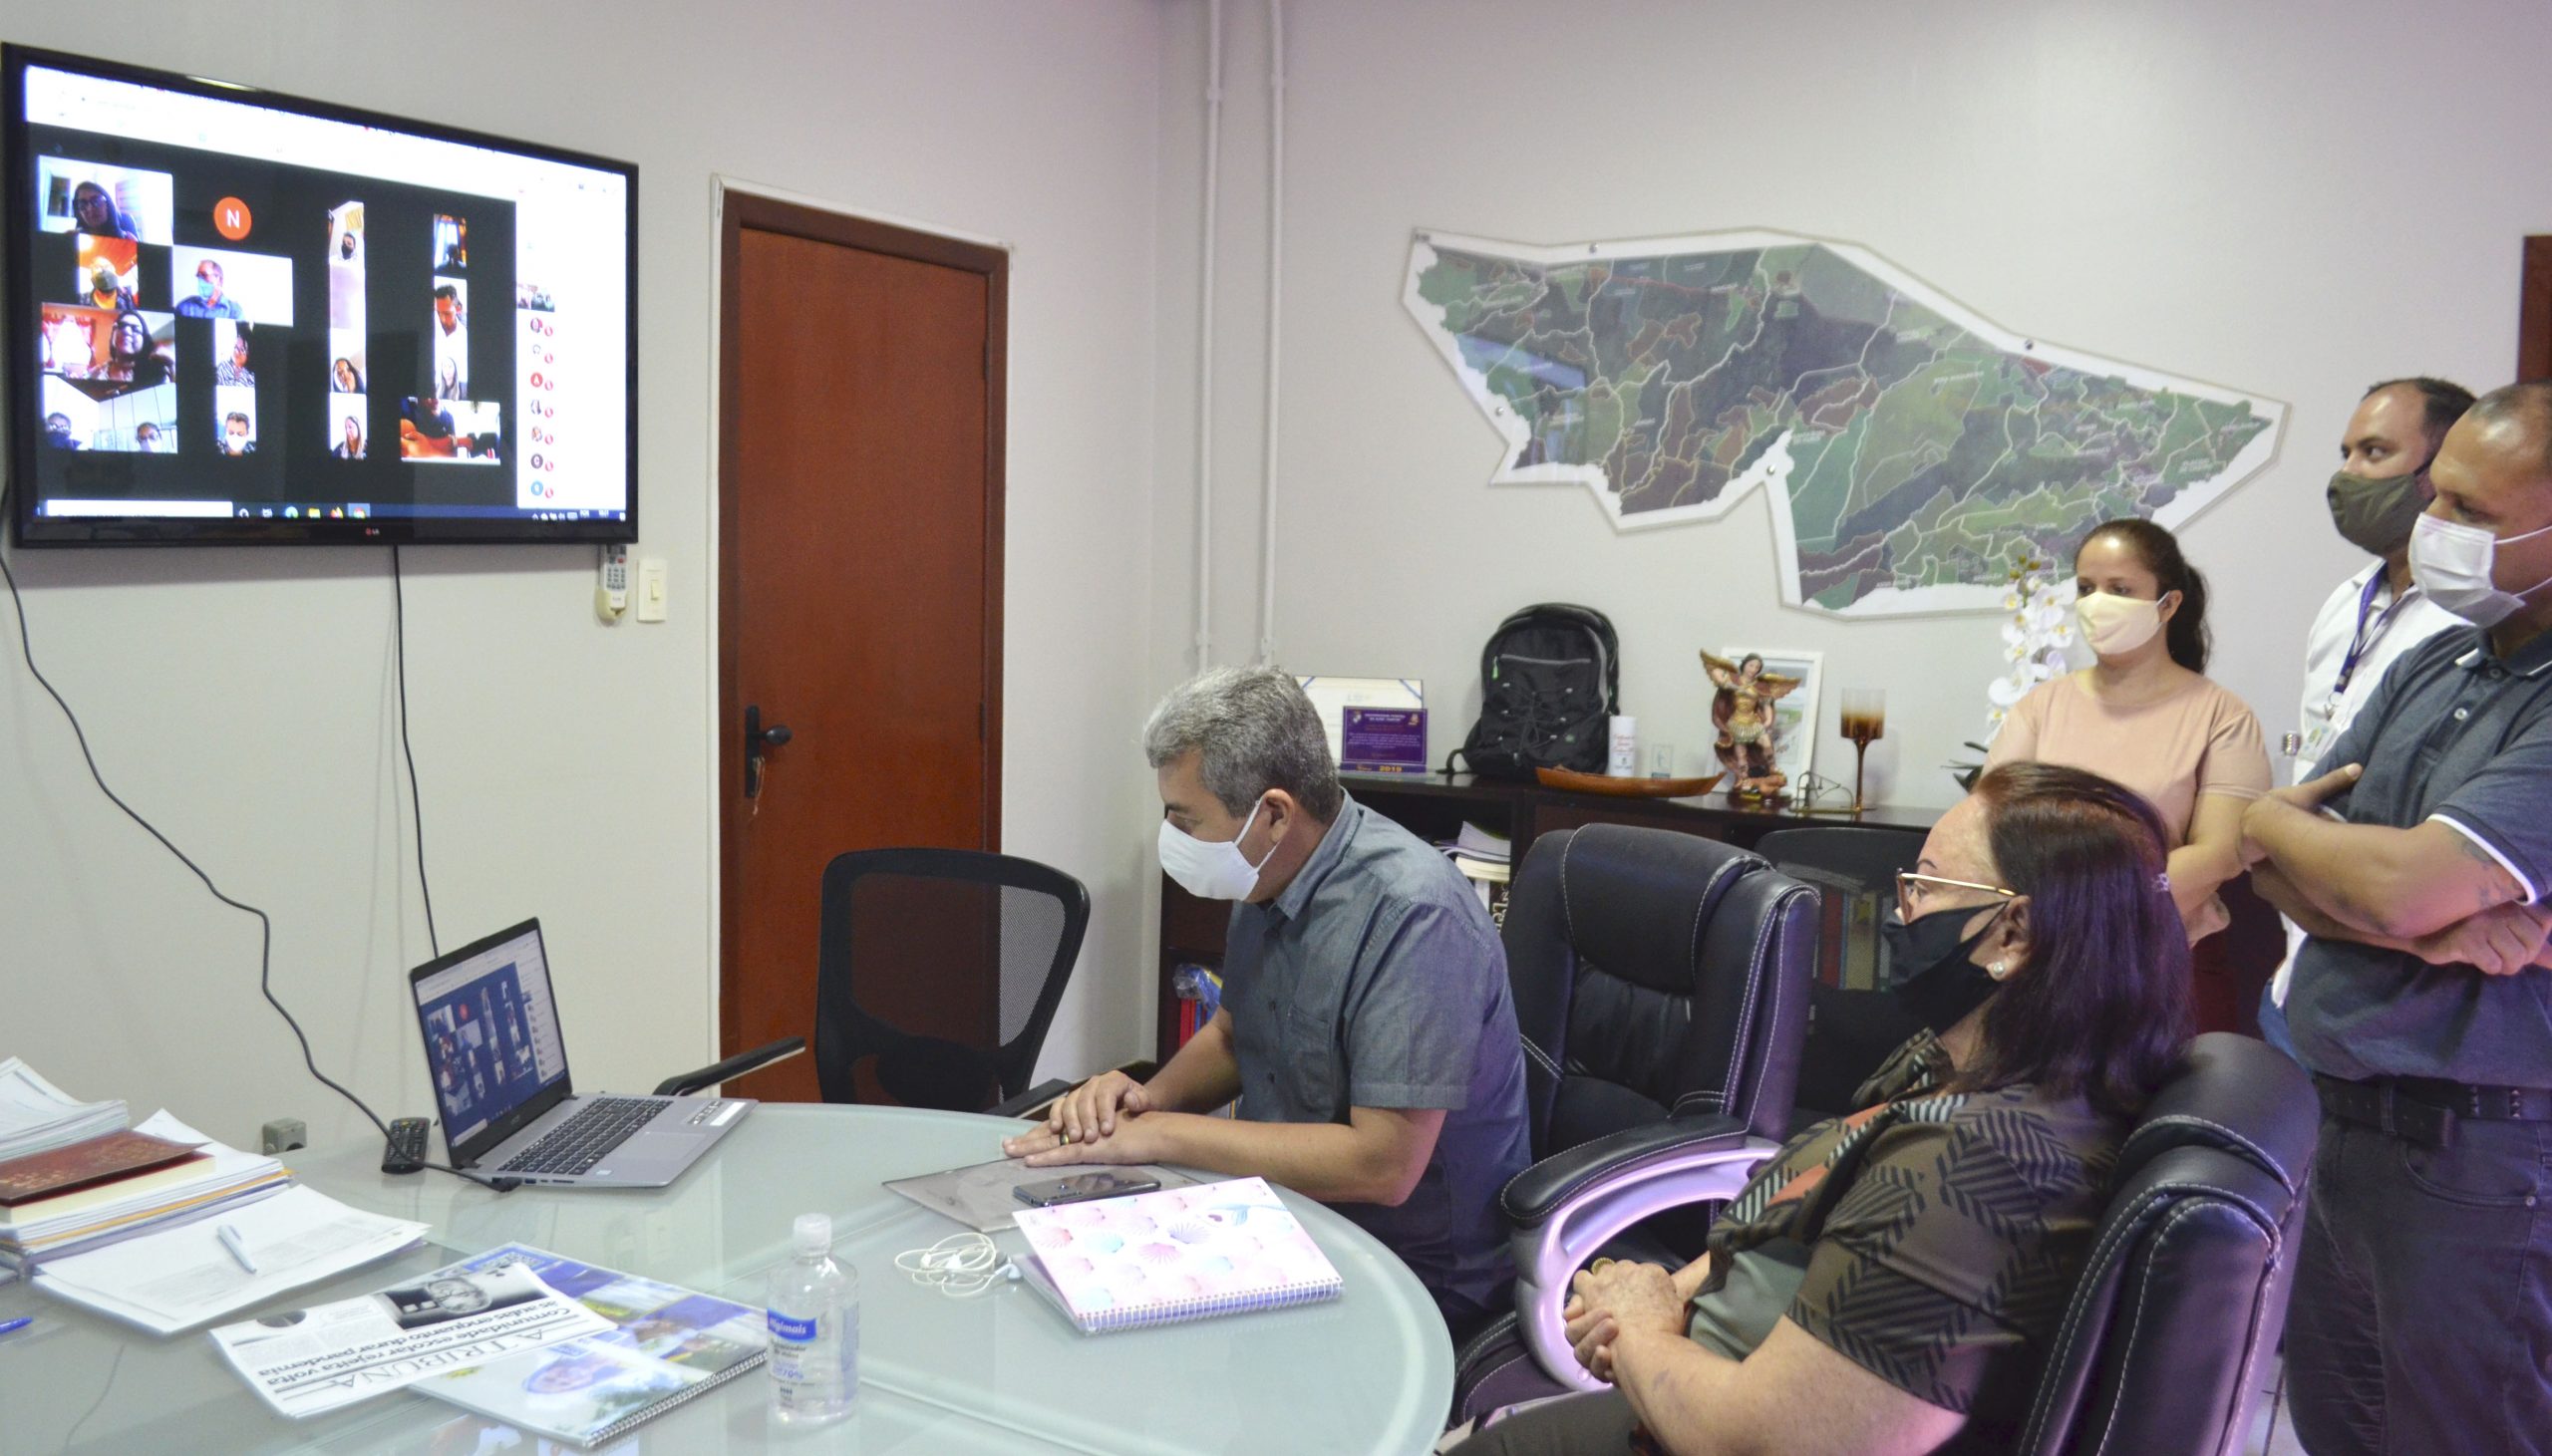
(813, 1315)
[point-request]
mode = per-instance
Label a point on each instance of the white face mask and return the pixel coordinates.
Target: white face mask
(2453, 563)
(2113, 625)
(1211, 869)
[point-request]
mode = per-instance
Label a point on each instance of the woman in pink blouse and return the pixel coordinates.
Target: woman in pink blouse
(2146, 714)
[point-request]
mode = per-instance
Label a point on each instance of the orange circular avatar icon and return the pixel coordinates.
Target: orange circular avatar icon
(230, 218)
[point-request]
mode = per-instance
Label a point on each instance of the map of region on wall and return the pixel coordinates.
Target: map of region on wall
(1912, 448)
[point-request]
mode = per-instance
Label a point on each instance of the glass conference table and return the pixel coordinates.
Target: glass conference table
(1369, 1371)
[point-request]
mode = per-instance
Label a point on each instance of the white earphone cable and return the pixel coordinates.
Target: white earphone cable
(960, 1266)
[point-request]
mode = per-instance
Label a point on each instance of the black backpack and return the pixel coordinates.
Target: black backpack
(1549, 678)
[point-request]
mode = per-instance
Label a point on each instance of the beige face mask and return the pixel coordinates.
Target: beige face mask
(2113, 625)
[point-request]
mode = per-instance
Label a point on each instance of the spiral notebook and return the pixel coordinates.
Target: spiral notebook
(1176, 1253)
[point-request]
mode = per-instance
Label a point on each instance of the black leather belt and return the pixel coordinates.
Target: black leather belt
(2427, 1109)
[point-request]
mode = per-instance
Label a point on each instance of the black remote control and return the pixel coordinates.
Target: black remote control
(407, 1150)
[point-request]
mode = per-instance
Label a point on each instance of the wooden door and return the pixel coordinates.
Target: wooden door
(859, 596)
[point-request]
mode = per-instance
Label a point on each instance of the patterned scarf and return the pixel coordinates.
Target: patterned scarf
(1782, 1201)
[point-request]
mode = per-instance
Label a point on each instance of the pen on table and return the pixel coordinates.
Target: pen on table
(12, 1327)
(231, 1239)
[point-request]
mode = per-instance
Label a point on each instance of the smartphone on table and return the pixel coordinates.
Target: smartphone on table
(1081, 1187)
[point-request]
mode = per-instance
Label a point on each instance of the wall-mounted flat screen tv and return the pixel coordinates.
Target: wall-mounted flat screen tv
(238, 317)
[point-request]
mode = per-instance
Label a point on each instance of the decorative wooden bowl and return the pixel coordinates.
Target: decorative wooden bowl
(1641, 789)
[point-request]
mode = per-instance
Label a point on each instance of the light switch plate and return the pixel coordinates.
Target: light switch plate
(651, 589)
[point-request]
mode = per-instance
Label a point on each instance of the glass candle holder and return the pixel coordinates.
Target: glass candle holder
(1865, 722)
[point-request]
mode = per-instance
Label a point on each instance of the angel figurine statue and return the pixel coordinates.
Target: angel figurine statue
(1741, 712)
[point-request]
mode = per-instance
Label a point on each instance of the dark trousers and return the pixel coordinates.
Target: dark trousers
(1598, 1423)
(2422, 1321)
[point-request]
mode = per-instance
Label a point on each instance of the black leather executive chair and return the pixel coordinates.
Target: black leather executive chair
(1661, 985)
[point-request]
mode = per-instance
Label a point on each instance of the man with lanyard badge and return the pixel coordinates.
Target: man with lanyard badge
(2378, 613)
(2419, 867)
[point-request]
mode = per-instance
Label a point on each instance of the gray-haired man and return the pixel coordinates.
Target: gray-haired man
(1364, 1027)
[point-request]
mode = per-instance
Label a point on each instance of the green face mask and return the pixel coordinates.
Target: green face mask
(2376, 516)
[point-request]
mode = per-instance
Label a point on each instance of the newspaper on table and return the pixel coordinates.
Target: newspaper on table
(304, 1361)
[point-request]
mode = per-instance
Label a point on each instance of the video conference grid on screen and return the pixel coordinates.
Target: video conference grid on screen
(491, 1035)
(376, 325)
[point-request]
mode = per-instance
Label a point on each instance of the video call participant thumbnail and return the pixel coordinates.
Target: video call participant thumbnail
(210, 300)
(109, 272)
(231, 368)
(104, 200)
(97, 212)
(131, 354)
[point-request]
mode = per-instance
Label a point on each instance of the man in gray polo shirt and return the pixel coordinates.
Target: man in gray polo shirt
(1365, 1025)
(2421, 1318)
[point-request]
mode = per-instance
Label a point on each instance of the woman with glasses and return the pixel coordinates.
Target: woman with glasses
(1890, 1284)
(131, 357)
(2146, 715)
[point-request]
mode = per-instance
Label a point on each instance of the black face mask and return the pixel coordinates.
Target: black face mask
(1937, 983)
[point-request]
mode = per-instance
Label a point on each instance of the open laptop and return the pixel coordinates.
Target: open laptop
(499, 1069)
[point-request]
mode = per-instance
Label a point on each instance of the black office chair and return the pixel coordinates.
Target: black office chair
(2185, 1290)
(1661, 985)
(1853, 1023)
(684, 1084)
(972, 946)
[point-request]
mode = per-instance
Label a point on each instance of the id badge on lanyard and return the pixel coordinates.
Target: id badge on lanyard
(2321, 726)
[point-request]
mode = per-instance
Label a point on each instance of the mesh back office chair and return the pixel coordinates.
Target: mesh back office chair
(1661, 984)
(1853, 1024)
(966, 948)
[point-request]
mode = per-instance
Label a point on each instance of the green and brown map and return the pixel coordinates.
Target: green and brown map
(1912, 448)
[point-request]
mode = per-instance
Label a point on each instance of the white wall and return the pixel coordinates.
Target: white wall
(2292, 200)
(238, 698)
(2289, 199)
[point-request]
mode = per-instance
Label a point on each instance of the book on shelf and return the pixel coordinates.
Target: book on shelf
(1174, 1255)
(1473, 843)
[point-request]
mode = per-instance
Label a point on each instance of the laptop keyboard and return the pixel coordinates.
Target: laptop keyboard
(586, 1138)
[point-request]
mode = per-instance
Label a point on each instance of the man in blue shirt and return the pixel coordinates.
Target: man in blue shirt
(2418, 867)
(209, 302)
(1366, 1026)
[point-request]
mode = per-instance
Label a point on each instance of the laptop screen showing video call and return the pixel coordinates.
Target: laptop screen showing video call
(253, 318)
(492, 1034)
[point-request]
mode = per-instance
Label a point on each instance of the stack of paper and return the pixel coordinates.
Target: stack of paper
(1485, 860)
(1477, 845)
(37, 1116)
(174, 1277)
(105, 1213)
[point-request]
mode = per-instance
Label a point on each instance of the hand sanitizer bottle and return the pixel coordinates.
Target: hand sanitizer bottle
(813, 1313)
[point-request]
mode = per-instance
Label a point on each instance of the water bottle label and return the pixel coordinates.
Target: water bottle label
(799, 1331)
